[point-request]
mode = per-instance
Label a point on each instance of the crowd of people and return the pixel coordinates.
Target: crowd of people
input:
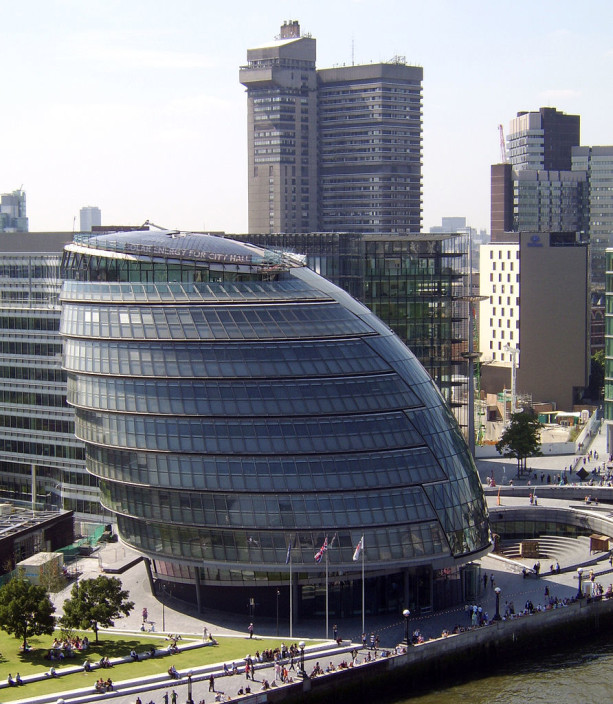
(66, 648)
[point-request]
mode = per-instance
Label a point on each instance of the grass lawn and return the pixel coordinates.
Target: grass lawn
(113, 645)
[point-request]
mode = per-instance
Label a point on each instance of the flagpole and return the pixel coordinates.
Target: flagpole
(363, 601)
(291, 598)
(327, 631)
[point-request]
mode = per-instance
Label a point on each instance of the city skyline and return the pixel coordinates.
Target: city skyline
(136, 107)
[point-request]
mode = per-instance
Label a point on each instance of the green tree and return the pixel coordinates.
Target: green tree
(25, 609)
(96, 602)
(522, 439)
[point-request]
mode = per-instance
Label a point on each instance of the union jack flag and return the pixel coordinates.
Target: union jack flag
(320, 553)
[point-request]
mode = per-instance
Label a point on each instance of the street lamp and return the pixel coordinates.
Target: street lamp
(406, 613)
(579, 575)
(497, 616)
(189, 688)
(303, 674)
(278, 594)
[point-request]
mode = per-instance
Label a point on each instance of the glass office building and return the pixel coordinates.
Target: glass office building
(41, 461)
(416, 284)
(233, 403)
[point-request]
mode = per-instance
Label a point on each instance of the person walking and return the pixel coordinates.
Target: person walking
(211, 684)
(250, 629)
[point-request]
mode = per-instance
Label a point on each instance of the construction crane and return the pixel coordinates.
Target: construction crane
(503, 146)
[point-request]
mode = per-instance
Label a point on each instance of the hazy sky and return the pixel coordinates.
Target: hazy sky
(135, 106)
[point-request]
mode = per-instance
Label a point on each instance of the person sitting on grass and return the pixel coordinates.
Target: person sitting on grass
(87, 666)
(10, 681)
(109, 685)
(52, 672)
(134, 655)
(18, 680)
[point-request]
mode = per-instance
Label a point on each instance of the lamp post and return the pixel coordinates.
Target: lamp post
(278, 594)
(189, 688)
(497, 616)
(303, 674)
(579, 575)
(406, 613)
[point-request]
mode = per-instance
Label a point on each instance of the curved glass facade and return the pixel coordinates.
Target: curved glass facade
(233, 402)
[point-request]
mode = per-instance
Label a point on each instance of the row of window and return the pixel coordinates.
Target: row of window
(259, 548)
(36, 321)
(182, 292)
(300, 473)
(18, 348)
(37, 423)
(310, 511)
(225, 360)
(33, 373)
(248, 436)
(243, 398)
(185, 323)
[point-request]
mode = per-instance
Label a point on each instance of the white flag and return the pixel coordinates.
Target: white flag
(358, 550)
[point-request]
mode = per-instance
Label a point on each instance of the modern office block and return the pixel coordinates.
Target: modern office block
(334, 149)
(13, 212)
(235, 403)
(501, 206)
(416, 284)
(543, 140)
(535, 316)
(370, 123)
(41, 461)
(89, 217)
(550, 201)
(282, 133)
(596, 163)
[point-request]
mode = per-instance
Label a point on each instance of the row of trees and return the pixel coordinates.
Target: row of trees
(26, 609)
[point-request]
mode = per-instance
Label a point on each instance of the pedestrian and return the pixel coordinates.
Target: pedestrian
(335, 631)
(250, 629)
(165, 697)
(173, 697)
(145, 615)
(484, 581)
(492, 580)
(211, 684)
